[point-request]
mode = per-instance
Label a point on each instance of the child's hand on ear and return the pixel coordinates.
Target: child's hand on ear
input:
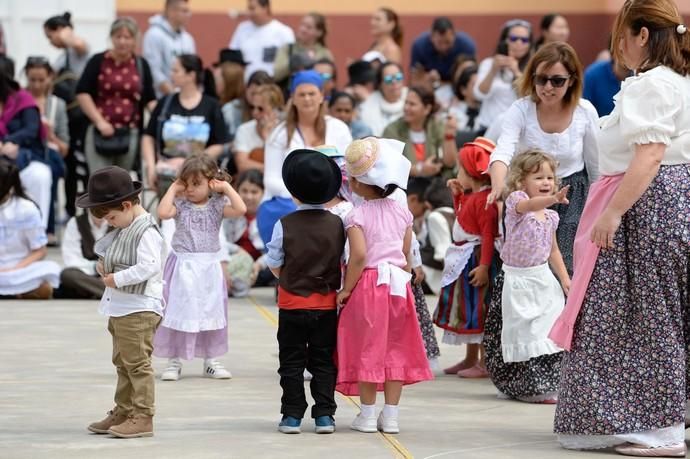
(454, 185)
(218, 186)
(479, 276)
(562, 195)
(342, 297)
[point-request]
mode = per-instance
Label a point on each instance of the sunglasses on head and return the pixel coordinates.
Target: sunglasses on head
(557, 81)
(396, 77)
(514, 38)
(326, 76)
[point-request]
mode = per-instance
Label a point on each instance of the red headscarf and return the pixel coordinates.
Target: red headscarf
(474, 156)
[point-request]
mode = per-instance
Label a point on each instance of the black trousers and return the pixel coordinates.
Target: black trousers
(307, 339)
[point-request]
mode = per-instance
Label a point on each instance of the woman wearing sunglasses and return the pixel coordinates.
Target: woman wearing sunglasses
(497, 74)
(551, 116)
(386, 104)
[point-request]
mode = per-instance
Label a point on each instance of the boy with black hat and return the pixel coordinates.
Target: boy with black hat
(305, 254)
(131, 264)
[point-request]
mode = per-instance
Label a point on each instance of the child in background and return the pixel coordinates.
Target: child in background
(416, 188)
(305, 253)
(23, 272)
(131, 264)
(469, 265)
(195, 321)
(379, 342)
(245, 266)
(436, 236)
(523, 362)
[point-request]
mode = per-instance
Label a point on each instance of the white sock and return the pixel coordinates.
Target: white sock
(390, 411)
(368, 411)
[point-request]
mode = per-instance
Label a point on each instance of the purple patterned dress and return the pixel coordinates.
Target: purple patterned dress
(195, 321)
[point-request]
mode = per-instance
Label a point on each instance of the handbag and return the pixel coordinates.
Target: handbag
(115, 145)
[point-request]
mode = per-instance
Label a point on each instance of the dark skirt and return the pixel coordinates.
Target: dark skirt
(569, 215)
(628, 368)
(425, 325)
(534, 380)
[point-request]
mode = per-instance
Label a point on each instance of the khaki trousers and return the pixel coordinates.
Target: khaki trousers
(132, 348)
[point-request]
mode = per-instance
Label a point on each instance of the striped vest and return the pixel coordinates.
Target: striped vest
(122, 253)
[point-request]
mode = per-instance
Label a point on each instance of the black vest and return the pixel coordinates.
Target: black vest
(87, 240)
(313, 243)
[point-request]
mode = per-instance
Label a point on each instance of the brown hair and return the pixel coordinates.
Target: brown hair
(527, 163)
(397, 32)
(320, 24)
(102, 211)
(552, 54)
(273, 94)
(233, 81)
(665, 45)
(202, 164)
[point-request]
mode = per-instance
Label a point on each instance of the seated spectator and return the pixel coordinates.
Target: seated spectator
(39, 75)
(496, 76)
(310, 41)
(229, 76)
(385, 105)
(166, 38)
(79, 279)
(267, 110)
(436, 233)
(22, 138)
(429, 144)
(602, 82)
(465, 106)
(260, 37)
(362, 80)
(435, 52)
(342, 106)
(554, 27)
(23, 272)
(245, 266)
(327, 70)
(388, 35)
(183, 123)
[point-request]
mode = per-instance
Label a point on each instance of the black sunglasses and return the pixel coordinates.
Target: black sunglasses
(557, 81)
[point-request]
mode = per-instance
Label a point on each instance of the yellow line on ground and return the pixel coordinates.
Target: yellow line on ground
(397, 447)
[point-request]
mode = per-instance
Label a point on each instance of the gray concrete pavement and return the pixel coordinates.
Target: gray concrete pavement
(56, 378)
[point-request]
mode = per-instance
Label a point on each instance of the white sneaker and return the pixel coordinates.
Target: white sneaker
(307, 375)
(214, 369)
(364, 424)
(387, 425)
(172, 371)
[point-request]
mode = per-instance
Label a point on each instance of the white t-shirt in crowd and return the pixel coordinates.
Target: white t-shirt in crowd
(500, 96)
(260, 44)
(246, 137)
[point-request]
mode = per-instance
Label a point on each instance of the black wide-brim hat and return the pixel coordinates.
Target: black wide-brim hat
(109, 185)
(230, 55)
(311, 176)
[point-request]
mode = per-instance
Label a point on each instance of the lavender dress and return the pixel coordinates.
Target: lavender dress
(195, 321)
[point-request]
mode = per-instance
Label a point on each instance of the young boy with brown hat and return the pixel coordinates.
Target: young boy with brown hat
(131, 264)
(305, 253)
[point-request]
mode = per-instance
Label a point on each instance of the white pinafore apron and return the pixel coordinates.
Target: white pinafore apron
(531, 301)
(196, 300)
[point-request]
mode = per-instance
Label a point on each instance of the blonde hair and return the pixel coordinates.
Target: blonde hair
(527, 163)
(273, 95)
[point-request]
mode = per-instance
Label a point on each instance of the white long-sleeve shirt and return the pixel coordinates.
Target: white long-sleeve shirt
(151, 256)
(72, 256)
(575, 148)
(276, 150)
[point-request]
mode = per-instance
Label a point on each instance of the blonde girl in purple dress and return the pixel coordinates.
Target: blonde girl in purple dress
(195, 292)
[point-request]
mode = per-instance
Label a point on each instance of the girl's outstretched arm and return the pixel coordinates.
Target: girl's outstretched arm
(166, 208)
(237, 207)
(356, 263)
(538, 203)
(557, 264)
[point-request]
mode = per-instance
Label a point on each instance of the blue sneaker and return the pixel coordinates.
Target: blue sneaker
(290, 425)
(324, 424)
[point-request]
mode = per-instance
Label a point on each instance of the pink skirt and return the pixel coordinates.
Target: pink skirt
(379, 338)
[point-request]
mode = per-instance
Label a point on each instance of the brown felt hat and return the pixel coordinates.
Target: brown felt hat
(109, 185)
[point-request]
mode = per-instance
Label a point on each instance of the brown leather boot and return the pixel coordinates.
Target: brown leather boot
(43, 292)
(135, 426)
(114, 418)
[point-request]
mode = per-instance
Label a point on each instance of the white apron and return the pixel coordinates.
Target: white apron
(196, 298)
(531, 301)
